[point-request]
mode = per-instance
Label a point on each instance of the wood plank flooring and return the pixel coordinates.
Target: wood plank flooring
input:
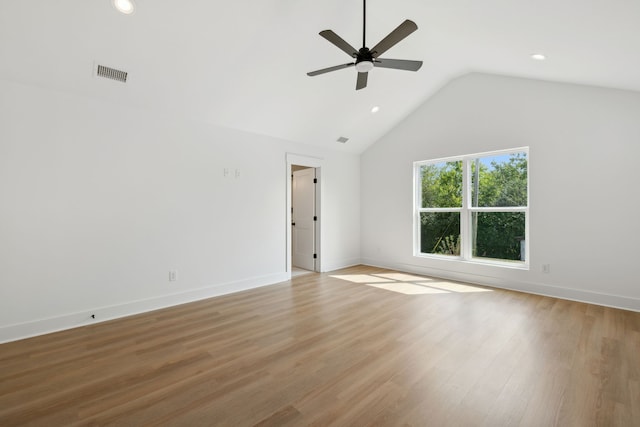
(329, 349)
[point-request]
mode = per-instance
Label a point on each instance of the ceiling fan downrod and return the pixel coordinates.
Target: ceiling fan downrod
(364, 23)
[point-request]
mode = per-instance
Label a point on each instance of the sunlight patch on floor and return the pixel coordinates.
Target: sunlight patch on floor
(454, 287)
(362, 278)
(402, 277)
(409, 284)
(407, 288)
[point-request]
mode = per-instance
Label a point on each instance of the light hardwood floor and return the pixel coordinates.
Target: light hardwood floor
(326, 350)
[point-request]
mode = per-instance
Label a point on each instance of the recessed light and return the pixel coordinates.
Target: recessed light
(538, 57)
(124, 6)
(375, 109)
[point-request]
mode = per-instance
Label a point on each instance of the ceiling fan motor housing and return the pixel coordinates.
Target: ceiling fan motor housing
(364, 60)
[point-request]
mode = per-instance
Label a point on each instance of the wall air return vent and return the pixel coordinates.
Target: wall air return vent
(112, 73)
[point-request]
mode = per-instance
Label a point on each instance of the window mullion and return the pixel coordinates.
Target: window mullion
(465, 214)
(417, 202)
(499, 209)
(440, 210)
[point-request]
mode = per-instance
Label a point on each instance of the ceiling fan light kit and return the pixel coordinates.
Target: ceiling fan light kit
(367, 59)
(364, 66)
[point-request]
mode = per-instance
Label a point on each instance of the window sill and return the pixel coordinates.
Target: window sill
(515, 265)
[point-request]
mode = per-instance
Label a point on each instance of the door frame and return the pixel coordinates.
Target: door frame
(312, 162)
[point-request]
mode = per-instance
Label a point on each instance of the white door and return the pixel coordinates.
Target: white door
(303, 202)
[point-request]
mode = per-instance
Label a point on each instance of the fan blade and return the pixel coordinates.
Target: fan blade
(395, 36)
(330, 69)
(362, 81)
(338, 41)
(398, 64)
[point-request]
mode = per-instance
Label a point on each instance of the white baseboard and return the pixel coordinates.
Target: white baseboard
(68, 321)
(572, 294)
(341, 264)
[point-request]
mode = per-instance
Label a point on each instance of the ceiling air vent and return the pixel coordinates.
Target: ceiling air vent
(342, 139)
(112, 73)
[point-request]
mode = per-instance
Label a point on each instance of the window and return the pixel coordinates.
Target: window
(474, 208)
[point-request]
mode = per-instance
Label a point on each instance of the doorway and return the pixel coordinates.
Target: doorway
(303, 214)
(303, 219)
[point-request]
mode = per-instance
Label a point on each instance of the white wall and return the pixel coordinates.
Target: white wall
(98, 202)
(584, 150)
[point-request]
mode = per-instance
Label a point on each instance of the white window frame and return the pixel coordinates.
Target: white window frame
(466, 211)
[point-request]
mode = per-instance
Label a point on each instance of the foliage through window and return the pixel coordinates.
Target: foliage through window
(474, 207)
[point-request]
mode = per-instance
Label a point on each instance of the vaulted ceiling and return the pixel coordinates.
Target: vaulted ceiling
(243, 64)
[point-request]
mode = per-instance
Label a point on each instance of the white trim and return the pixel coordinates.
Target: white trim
(519, 265)
(73, 320)
(553, 291)
(499, 209)
(302, 160)
(466, 243)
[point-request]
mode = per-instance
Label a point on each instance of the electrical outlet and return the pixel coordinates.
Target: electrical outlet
(546, 268)
(173, 275)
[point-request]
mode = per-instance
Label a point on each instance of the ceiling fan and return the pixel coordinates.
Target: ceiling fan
(367, 59)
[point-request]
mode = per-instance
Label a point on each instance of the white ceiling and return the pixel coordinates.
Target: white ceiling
(243, 64)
